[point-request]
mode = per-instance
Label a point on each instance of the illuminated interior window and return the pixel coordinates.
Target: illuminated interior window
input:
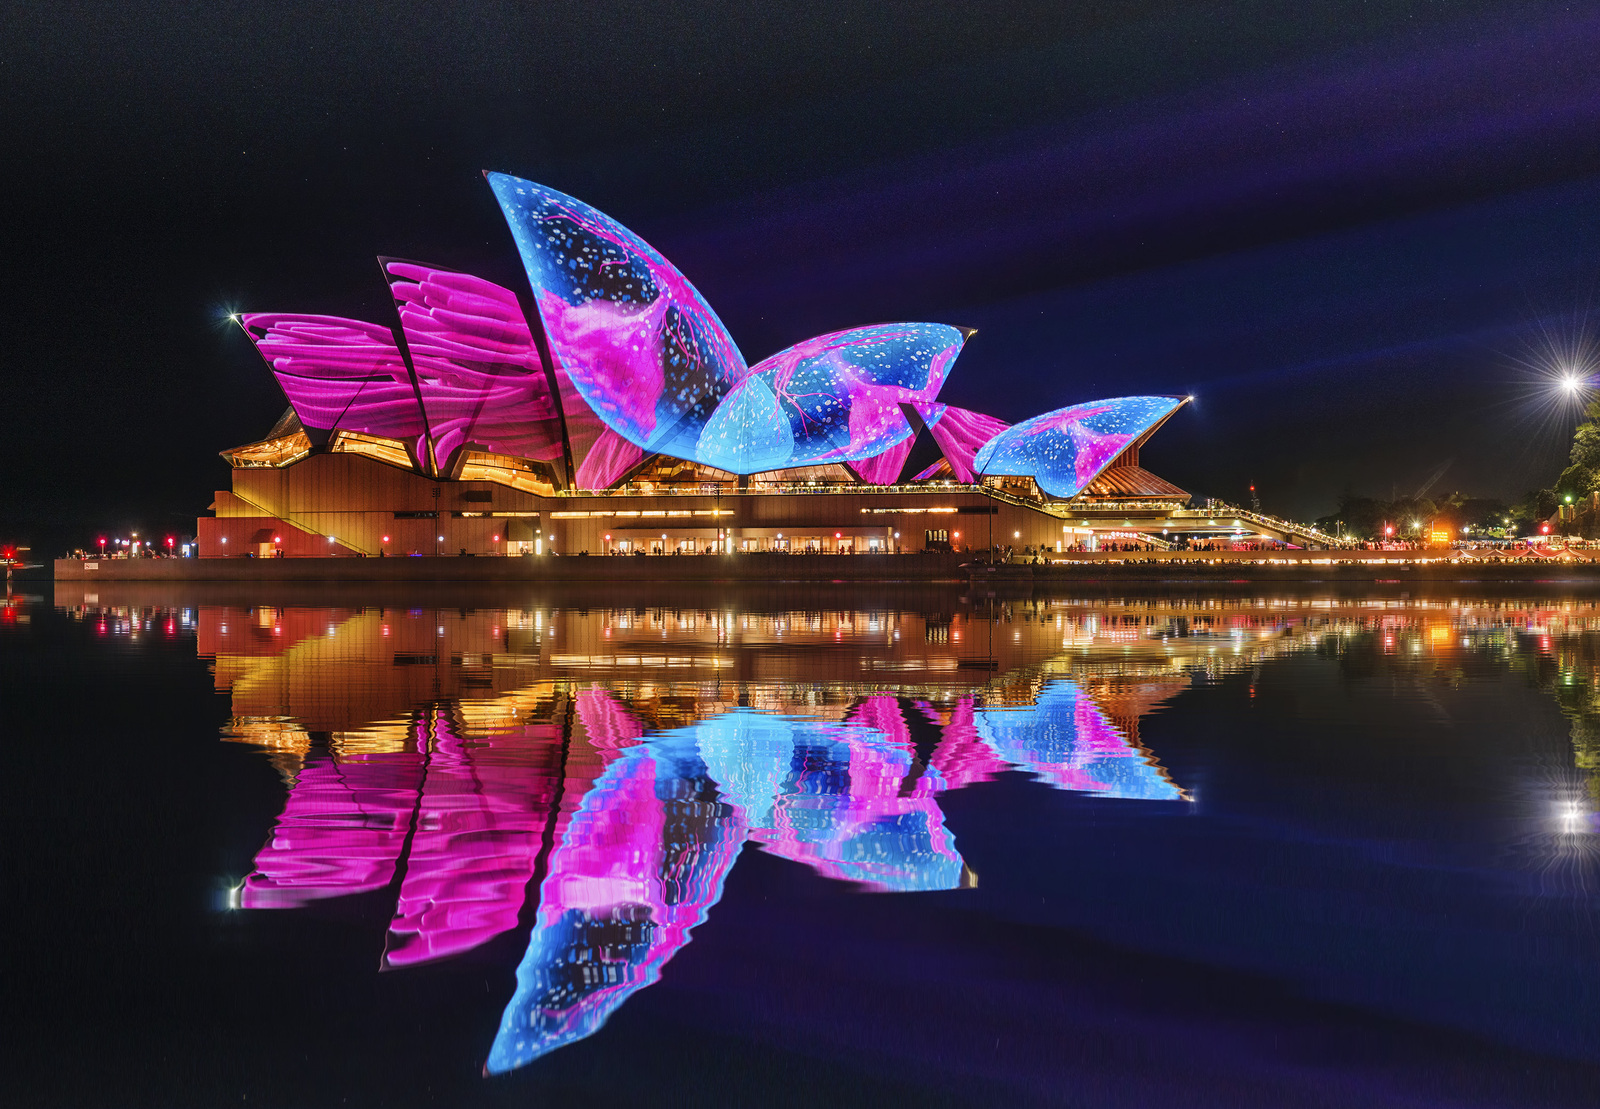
(282, 451)
(391, 451)
(520, 474)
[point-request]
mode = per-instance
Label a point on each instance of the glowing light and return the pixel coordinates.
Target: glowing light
(1067, 449)
(652, 359)
(835, 398)
(339, 373)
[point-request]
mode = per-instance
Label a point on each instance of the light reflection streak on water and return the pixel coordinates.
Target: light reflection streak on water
(461, 758)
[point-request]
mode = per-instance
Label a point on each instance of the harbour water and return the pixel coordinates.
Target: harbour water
(854, 845)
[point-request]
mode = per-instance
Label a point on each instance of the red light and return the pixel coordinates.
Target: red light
(1544, 529)
(170, 541)
(385, 538)
(277, 539)
(497, 539)
(957, 534)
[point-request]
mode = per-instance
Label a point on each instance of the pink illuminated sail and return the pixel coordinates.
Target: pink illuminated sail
(607, 461)
(339, 373)
(481, 379)
(343, 827)
(659, 368)
(960, 433)
(884, 469)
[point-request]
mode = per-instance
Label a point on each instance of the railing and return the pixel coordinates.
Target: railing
(1275, 523)
(713, 489)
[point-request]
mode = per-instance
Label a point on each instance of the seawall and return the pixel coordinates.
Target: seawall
(550, 568)
(773, 569)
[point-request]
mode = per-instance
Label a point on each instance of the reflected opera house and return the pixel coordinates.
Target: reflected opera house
(582, 782)
(606, 409)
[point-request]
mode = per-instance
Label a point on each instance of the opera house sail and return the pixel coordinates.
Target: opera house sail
(486, 420)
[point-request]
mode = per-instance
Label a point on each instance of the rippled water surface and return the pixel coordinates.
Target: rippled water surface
(844, 847)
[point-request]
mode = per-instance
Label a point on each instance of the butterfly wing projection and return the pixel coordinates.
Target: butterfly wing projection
(1066, 449)
(637, 868)
(339, 373)
(636, 338)
(834, 398)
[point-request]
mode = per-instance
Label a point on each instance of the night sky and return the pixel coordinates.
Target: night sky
(1353, 230)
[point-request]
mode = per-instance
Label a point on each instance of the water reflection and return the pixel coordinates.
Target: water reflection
(459, 757)
(617, 761)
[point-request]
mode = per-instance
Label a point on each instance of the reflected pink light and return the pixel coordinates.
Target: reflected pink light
(643, 881)
(482, 816)
(819, 830)
(962, 757)
(342, 829)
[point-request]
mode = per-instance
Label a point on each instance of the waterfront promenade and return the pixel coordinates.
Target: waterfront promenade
(1345, 565)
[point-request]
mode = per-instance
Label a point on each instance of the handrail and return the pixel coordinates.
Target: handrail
(1288, 527)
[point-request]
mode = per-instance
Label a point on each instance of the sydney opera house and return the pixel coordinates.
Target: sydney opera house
(605, 409)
